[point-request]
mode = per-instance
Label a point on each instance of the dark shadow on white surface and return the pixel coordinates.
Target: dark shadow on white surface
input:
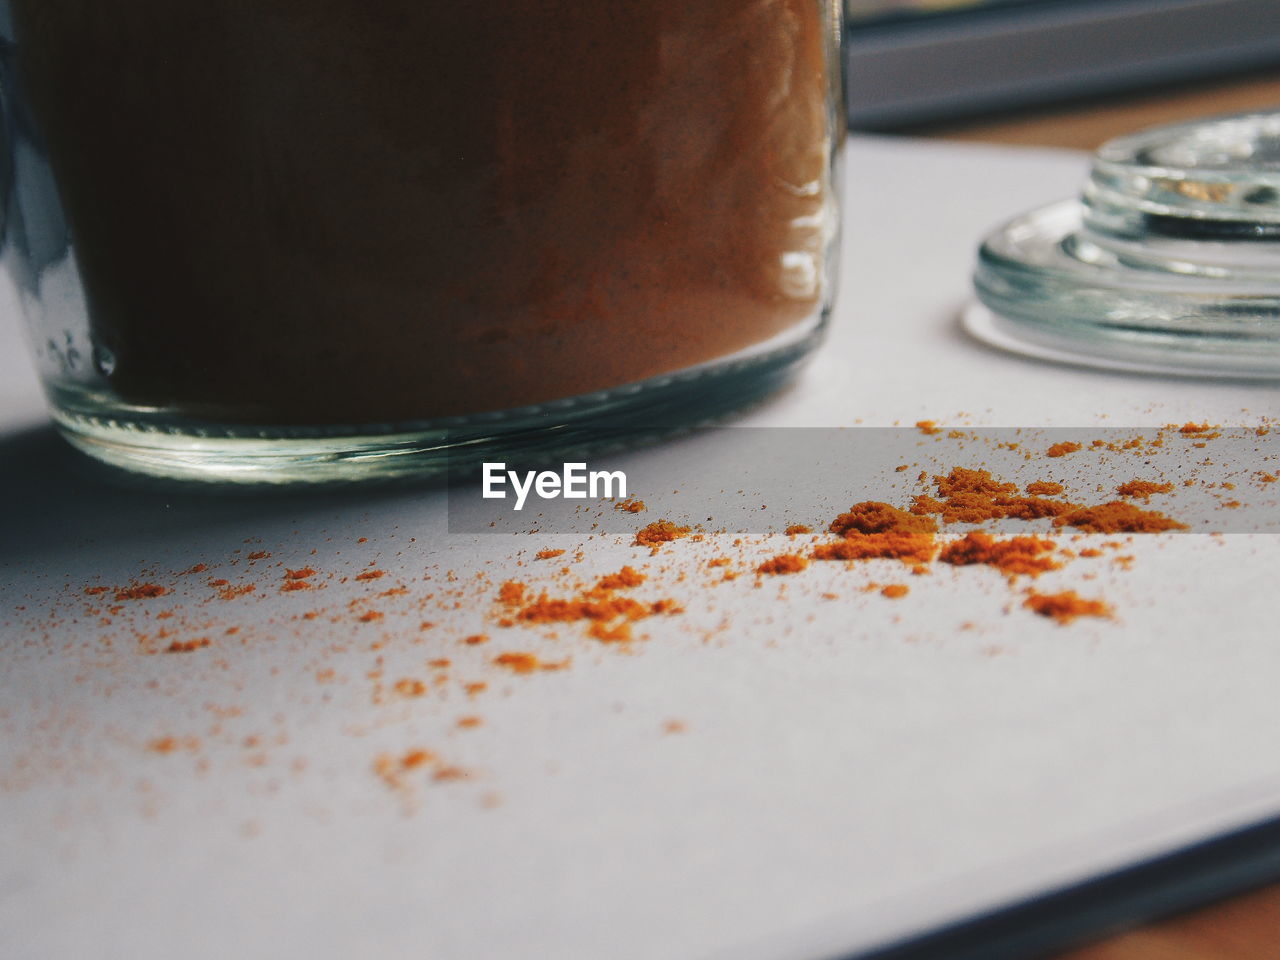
(55, 500)
(1223, 866)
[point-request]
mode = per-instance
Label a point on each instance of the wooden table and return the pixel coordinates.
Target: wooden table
(1245, 927)
(1086, 126)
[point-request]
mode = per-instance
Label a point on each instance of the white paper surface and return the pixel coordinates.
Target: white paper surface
(840, 773)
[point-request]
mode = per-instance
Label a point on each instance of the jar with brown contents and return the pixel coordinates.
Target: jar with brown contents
(301, 219)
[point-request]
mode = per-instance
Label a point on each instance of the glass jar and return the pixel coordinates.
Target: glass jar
(322, 239)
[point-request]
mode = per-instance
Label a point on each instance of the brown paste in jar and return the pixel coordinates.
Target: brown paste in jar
(339, 211)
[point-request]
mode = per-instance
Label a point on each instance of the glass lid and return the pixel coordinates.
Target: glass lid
(1168, 262)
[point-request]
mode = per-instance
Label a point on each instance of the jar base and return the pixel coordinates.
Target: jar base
(160, 444)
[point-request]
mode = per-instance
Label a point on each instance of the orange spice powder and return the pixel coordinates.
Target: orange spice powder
(974, 496)
(1044, 488)
(417, 758)
(1015, 555)
(511, 593)
(1143, 489)
(548, 609)
(188, 646)
(625, 578)
(409, 687)
(518, 662)
(610, 633)
(141, 591)
(1192, 429)
(907, 547)
(783, 563)
(609, 616)
(1062, 449)
(872, 516)
(1118, 517)
(658, 533)
(1066, 606)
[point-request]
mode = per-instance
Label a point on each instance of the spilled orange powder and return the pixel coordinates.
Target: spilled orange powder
(518, 662)
(188, 646)
(974, 496)
(907, 547)
(606, 633)
(141, 591)
(623, 579)
(1118, 517)
(1065, 606)
(872, 516)
(1062, 449)
(783, 563)
(1044, 488)
(658, 533)
(1143, 488)
(1015, 555)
